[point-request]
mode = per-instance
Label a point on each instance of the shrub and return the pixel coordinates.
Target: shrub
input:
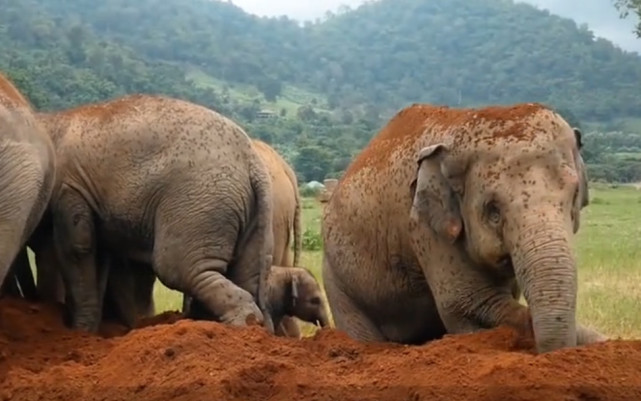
(312, 240)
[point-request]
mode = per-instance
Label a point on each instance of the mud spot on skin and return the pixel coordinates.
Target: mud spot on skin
(251, 320)
(464, 124)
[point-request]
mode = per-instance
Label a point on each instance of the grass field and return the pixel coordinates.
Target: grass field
(608, 250)
(290, 99)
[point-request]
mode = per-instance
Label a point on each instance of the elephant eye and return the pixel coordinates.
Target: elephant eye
(315, 301)
(492, 212)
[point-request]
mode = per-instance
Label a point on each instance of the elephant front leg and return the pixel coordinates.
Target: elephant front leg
(468, 300)
(75, 241)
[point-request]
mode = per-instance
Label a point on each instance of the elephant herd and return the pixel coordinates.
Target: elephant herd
(110, 196)
(438, 226)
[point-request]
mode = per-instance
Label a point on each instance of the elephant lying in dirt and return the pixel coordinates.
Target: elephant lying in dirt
(293, 292)
(416, 251)
(166, 183)
(27, 170)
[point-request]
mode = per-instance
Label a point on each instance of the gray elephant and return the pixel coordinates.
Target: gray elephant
(27, 170)
(166, 183)
(292, 292)
(295, 293)
(412, 252)
(286, 220)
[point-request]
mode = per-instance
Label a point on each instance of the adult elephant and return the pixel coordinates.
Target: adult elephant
(286, 212)
(412, 252)
(286, 222)
(167, 183)
(27, 170)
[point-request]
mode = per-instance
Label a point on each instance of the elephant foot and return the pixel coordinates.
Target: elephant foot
(586, 336)
(243, 315)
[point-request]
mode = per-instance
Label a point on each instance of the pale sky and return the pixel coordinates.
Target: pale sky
(600, 15)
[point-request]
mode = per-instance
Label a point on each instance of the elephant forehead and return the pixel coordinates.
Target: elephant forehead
(421, 125)
(542, 130)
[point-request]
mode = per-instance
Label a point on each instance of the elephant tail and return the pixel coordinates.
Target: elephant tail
(261, 185)
(298, 240)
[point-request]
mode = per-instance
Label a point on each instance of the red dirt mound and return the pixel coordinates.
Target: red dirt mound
(173, 359)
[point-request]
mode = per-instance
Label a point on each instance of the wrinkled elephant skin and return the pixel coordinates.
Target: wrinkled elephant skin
(164, 182)
(446, 215)
(27, 171)
(294, 292)
(286, 221)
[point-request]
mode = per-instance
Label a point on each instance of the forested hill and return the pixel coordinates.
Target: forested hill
(331, 84)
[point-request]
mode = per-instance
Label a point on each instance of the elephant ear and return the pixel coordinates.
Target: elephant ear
(583, 174)
(584, 193)
(434, 201)
(294, 290)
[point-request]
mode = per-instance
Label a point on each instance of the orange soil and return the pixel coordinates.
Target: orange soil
(175, 359)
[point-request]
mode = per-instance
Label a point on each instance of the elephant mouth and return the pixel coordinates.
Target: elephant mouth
(505, 266)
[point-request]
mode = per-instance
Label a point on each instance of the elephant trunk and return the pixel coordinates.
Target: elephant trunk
(323, 319)
(546, 272)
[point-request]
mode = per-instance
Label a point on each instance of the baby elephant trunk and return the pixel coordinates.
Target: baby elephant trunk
(323, 319)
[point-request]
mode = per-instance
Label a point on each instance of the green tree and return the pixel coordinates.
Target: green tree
(627, 6)
(312, 163)
(270, 87)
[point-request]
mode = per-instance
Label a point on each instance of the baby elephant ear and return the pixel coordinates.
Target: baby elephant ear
(434, 201)
(294, 290)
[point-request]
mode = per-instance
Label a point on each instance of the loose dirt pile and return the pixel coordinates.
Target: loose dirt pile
(173, 359)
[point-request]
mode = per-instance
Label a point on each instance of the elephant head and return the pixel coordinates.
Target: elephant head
(512, 203)
(294, 291)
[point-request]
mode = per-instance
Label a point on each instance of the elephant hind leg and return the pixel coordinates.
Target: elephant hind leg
(348, 317)
(197, 264)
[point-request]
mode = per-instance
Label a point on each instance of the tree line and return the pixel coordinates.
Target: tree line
(359, 67)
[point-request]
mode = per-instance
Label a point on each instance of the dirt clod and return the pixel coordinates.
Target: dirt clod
(168, 358)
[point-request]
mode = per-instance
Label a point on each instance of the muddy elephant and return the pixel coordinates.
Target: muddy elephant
(446, 214)
(286, 221)
(166, 183)
(292, 292)
(128, 291)
(27, 171)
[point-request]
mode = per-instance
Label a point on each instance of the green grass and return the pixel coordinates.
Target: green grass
(609, 254)
(290, 99)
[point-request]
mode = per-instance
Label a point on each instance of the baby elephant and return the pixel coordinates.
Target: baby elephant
(292, 292)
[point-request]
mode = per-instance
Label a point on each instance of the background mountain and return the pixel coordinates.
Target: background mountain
(327, 86)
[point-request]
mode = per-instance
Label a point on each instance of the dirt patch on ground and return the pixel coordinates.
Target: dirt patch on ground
(174, 359)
